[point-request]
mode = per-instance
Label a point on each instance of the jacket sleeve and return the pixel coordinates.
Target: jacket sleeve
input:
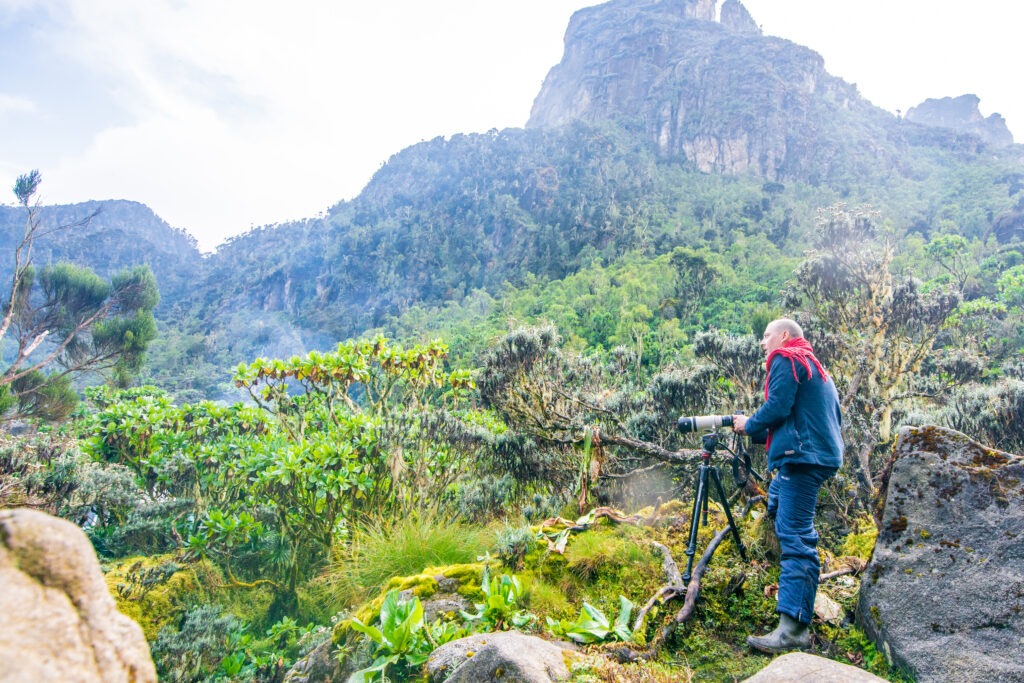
(782, 387)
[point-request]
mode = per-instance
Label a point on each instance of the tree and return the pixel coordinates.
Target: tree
(65, 320)
(695, 275)
(586, 418)
(873, 330)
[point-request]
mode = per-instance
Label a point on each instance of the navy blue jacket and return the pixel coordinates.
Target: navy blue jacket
(804, 417)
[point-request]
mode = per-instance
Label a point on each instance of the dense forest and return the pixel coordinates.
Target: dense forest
(493, 339)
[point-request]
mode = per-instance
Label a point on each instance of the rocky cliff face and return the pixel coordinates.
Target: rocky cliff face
(712, 90)
(962, 115)
(737, 19)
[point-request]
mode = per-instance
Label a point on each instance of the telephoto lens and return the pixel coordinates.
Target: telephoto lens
(693, 423)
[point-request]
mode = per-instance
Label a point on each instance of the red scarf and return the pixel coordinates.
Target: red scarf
(797, 350)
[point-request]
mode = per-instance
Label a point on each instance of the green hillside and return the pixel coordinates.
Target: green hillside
(473, 369)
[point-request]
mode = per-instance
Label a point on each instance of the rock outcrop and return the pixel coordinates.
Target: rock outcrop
(716, 92)
(798, 666)
(1009, 225)
(943, 595)
(737, 19)
(57, 619)
(962, 115)
(506, 655)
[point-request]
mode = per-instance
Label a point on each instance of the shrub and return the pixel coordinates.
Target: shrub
(380, 549)
(512, 545)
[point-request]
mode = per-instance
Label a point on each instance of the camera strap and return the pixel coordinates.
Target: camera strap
(743, 470)
(738, 476)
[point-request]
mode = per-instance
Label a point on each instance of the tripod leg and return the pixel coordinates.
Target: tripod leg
(700, 497)
(707, 496)
(728, 514)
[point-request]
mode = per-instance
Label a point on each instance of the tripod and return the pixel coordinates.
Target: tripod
(706, 474)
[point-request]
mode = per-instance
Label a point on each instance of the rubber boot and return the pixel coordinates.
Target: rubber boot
(790, 634)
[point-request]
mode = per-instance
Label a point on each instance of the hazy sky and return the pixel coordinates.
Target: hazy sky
(223, 115)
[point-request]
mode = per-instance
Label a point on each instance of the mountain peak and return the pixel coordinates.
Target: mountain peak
(737, 19)
(706, 87)
(962, 115)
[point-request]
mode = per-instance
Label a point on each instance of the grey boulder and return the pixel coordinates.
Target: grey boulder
(799, 666)
(943, 594)
(508, 656)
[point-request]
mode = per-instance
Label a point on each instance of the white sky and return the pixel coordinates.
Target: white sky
(222, 115)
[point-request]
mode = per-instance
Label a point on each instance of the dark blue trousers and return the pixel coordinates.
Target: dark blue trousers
(792, 499)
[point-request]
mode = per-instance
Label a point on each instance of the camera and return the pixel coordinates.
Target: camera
(693, 423)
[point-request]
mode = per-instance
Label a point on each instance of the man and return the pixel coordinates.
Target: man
(802, 422)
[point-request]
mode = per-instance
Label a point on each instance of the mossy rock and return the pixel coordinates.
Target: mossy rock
(468, 577)
(466, 582)
(155, 591)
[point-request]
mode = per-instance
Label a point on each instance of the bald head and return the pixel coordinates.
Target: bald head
(791, 326)
(779, 332)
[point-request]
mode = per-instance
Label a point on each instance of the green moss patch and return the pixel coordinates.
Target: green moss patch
(861, 543)
(154, 591)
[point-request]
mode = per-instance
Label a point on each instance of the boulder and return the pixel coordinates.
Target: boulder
(58, 620)
(321, 666)
(943, 594)
(507, 656)
(799, 666)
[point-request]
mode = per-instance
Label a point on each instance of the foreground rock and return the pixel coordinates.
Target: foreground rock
(798, 666)
(320, 666)
(57, 619)
(943, 595)
(504, 656)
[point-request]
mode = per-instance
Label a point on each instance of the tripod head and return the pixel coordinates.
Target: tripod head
(709, 442)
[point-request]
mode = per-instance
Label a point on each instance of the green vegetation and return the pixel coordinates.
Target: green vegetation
(593, 626)
(66, 321)
(403, 641)
(524, 314)
(500, 609)
(375, 551)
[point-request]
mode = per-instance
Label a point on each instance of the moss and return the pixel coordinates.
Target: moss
(421, 585)
(592, 668)
(671, 509)
(162, 602)
(864, 653)
(545, 598)
(146, 591)
(468, 576)
(861, 543)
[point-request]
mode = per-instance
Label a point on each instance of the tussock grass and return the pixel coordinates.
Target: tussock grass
(379, 549)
